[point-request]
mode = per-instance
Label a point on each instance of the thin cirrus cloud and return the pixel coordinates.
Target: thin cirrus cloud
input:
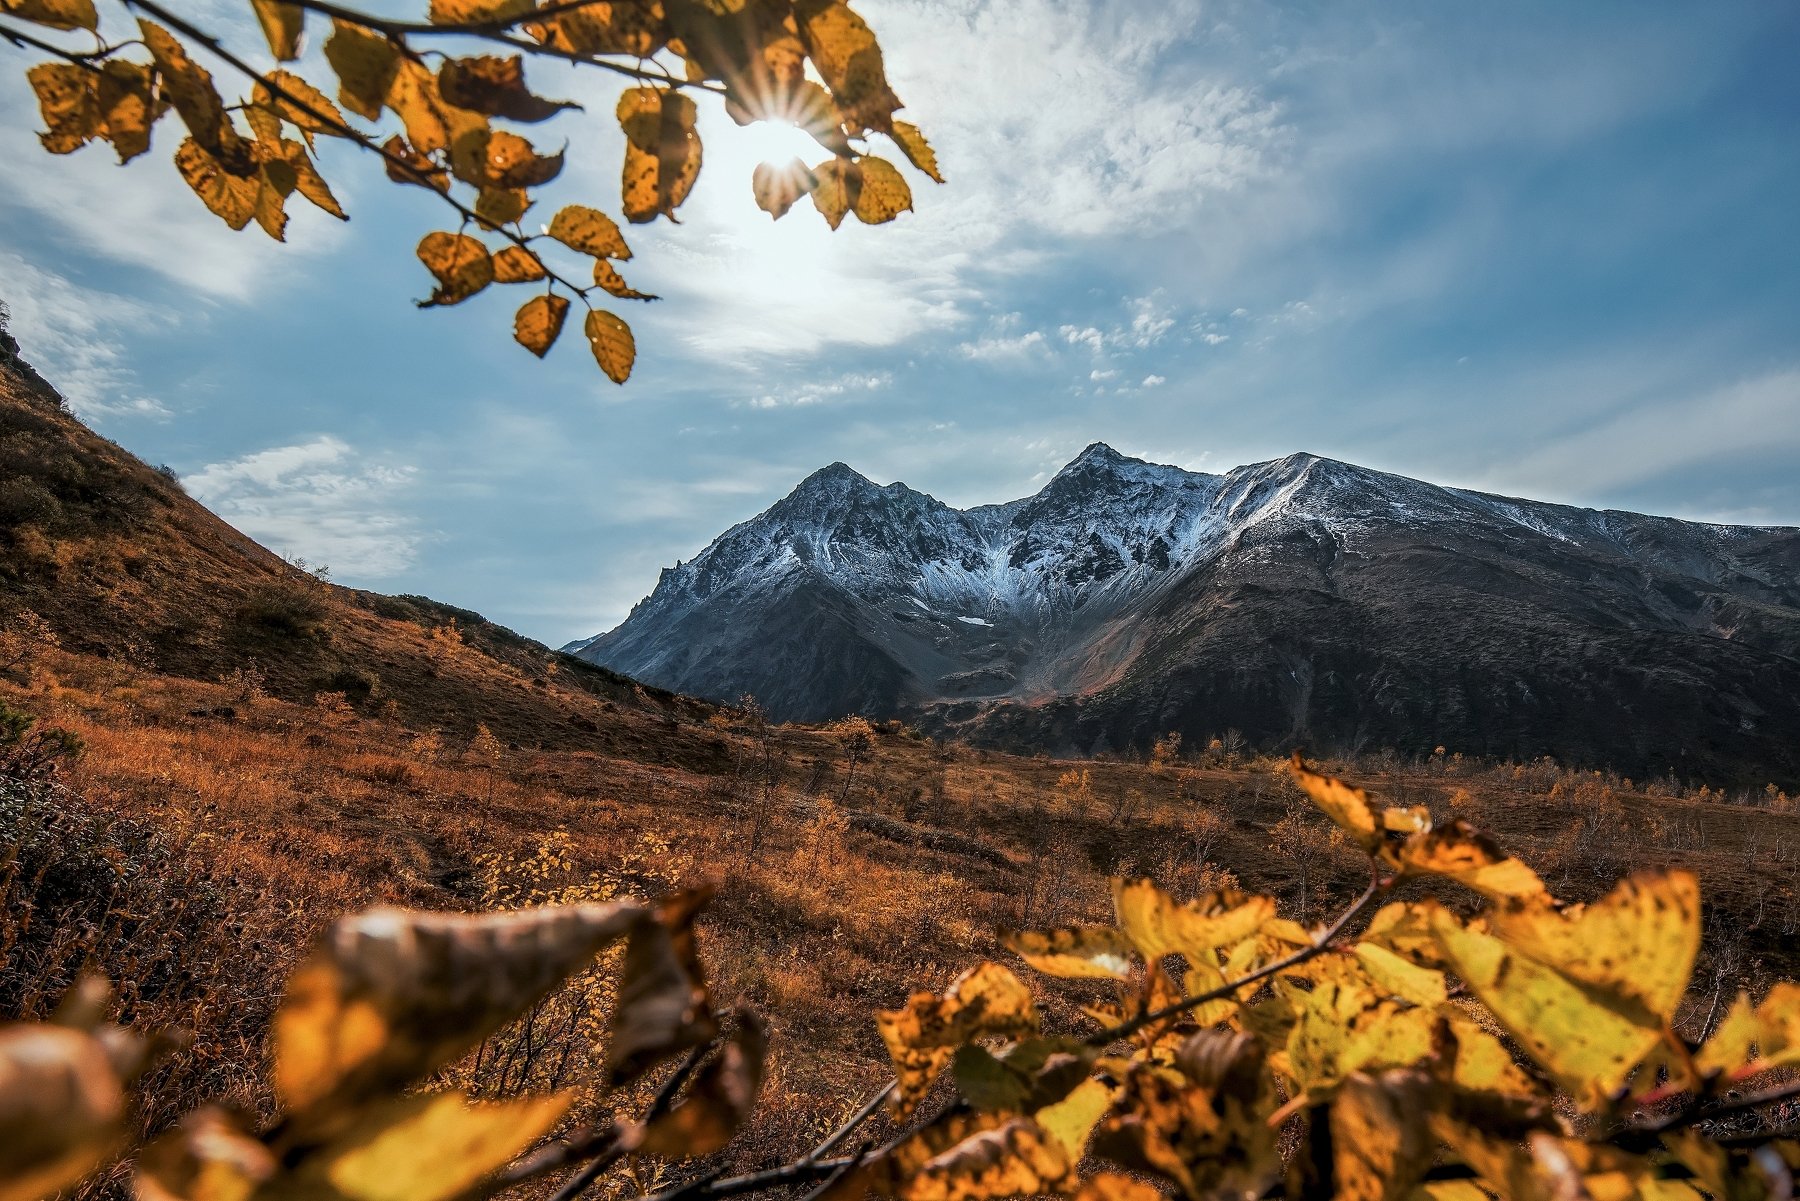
(320, 500)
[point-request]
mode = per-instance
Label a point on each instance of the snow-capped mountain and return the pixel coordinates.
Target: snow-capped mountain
(1298, 599)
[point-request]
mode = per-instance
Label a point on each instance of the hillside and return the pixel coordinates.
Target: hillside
(208, 828)
(1302, 601)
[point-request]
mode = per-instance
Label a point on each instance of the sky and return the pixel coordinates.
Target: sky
(1547, 250)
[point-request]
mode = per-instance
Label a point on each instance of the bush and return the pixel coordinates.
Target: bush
(290, 608)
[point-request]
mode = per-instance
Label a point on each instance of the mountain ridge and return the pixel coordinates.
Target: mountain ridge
(1057, 619)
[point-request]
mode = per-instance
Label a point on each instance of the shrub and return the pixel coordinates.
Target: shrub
(291, 608)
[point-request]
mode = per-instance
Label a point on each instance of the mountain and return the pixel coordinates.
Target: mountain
(1301, 600)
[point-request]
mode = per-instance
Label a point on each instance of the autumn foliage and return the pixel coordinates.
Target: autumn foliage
(438, 120)
(1454, 1033)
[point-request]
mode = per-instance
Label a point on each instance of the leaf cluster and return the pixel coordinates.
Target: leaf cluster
(444, 121)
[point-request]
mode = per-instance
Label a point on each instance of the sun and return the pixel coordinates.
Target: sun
(777, 143)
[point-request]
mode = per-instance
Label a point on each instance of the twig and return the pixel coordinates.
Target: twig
(798, 1172)
(856, 1119)
(85, 61)
(830, 1182)
(660, 1105)
(1377, 886)
(497, 31)
(1701, 1112)
(356, 136)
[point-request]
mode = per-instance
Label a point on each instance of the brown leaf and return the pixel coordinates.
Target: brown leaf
(720, 1100)
(1205, 1142)
(366, 64)
(70, 103)
(62, 1103)
(309, 183)
(274, 186)
(986, 1000)
(918, 151)
(1114, 1186)
(662, 152)
(539, 321)
(1380, 1143)
(475, 12)
(189, 87)
(1013, 1160)
(461, 264)
(232, 198)
(848, 58)
(590, 231)
(836, 185)
(126, 108)
(662, 1007)
(610, 281)
(1462, 853)
(282, 25)
(389, 995)
(296, 98)
(499, 207)
(613, 346)
(517, 265)
(495, 86)
(636, 28)
(778, 187)
(1343, 803)
(57, 14)
(396, 147)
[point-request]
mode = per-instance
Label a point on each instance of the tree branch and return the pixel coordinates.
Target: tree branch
(86, 62)
(498, 31)
(343, 130)
(1377, 887)
(620, 1144)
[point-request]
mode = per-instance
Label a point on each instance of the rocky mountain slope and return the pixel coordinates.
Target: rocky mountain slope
(1301, 600)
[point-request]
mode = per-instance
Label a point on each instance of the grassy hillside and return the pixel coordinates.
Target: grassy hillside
(261, 752)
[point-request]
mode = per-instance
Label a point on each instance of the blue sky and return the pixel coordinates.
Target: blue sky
(1545, 250)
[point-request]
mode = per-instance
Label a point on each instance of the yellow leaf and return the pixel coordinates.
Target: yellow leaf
(1343, 1027)
(720, 1099)
(848, 58)
(282, 25)
(298, 96)
(1471, 858)
(1074, 952)
(836, 184)
(1588, 1038)
(1113, 1186)
(539, 322)
(590, 231)
(1070, 1121)
(986, 1000)
(1380, 1143)
(1344, 804)
(1483, 1064)
(1015, 1159)
(1158, 925)
(917, 150)
(608, 278)
(366, 64)
(1771, 1028)
(57, 14)
(662, 152)
(776, 188)
(613, 346)
(1208, 1142)
(70, 102)
(189, 87)
(389, 995)
(232, 198)
(460, 263)
(517, 265)
(423, 172)
(1403, 979)
(884, 194)
(499, 207)
(1639, 940)
(427, 1147)
(495, 86)
(274, 185)
(635, 28)
(208, 1157)
(126, 107)
(62, 1103)
(309, 183)
(476, 12)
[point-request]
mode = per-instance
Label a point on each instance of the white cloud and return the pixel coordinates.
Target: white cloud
(1154, 381)
(1000, 348)
(1098, 374)
(844, 387)
(74, 336)
(1088, 336)
(1212, 339)
(320, 500)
